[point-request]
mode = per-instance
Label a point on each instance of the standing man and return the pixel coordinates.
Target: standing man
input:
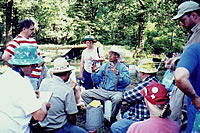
(61, 116)
(113, 77)
(25, 38)
(18, 102)
(189, 16)
(187, 78)
(137, 110)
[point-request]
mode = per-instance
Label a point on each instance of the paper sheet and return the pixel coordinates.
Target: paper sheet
(95, 103)
(45, 96)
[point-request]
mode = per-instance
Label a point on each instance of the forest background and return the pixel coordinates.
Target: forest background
(141, 25)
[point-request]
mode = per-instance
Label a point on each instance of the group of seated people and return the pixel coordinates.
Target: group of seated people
(148, 100)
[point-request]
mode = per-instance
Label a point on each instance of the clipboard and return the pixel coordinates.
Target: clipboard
(45, 96)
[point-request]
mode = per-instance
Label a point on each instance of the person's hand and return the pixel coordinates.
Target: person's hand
(112, 65)
(81, 75)
(46, 106)
(196, 102)
(94, 66)
(90, 58)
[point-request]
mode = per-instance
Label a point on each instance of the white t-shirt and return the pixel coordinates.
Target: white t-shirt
(88, 56)
(72, 77)
(18, 101)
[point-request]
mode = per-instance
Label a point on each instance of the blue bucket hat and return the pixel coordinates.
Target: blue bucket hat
(25, 55)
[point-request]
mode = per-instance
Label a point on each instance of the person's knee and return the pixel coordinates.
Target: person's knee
(114, 127)
(84, 95)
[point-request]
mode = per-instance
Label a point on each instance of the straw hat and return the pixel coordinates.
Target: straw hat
(147, 66)
(25, 55)
(61, 65)
(116, 49)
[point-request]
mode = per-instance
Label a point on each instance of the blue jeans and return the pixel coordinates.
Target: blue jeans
(88, 80)
(191, 113)
(68, 128)
(121, 126)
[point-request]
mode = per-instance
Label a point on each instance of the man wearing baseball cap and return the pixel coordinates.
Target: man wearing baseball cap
(189, 16)
(156, 99)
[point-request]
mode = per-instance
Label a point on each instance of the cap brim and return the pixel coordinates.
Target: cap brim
(142, 92)
(177, 16)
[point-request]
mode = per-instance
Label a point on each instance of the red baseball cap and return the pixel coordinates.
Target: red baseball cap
(155, 93)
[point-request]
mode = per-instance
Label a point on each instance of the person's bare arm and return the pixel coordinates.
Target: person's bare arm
(40, 114)
(81, 67)
(5, 57)
(181, 76)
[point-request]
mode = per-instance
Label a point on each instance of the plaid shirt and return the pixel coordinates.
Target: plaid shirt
(138, 110)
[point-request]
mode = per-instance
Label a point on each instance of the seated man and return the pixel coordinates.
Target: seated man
(137, 110)
(112, 78)
(61, 117)
(156, 99)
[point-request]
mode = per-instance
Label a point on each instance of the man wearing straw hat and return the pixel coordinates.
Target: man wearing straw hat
(62, 115)
(137, 110)
(19, 102)
(113, 78)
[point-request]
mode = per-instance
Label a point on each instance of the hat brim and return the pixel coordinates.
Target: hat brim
(88, 39)
(62, 70)
(24, 62)
(146, 70)
(119, 53)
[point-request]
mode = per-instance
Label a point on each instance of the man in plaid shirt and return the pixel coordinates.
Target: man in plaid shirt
(137, 110)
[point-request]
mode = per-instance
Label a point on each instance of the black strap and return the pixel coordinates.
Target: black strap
(98, 52)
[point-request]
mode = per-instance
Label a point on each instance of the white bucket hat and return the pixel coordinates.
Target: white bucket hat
(61, 65)
(115, 49)
(185, 7)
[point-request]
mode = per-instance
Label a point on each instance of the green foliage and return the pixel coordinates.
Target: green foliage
(120, 22)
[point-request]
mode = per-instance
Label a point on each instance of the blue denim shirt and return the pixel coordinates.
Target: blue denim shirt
(123, 77)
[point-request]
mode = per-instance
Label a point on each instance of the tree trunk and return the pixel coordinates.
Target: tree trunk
(8, 21)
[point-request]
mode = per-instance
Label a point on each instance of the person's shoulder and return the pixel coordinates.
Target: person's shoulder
(192, 48)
